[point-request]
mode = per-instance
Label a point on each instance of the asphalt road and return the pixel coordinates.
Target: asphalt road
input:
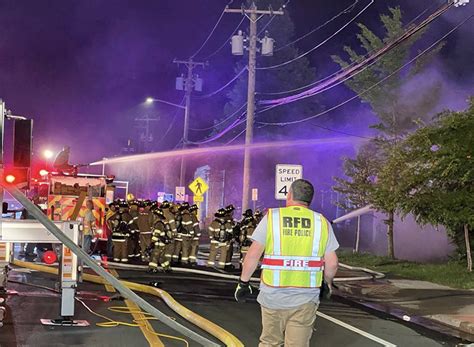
(338, 324)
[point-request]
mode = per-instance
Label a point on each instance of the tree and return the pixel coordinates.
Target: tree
(389, 102)
(436, 170)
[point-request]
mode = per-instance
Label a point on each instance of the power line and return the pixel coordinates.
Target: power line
(340, 70)
(226, 42)
(235, 138)
(319, 44)
(346, 10)
(351, 70)
(222, 121)
(376, 84)
(223, 87)
(236, 123)
(340, 132)
(212, 31)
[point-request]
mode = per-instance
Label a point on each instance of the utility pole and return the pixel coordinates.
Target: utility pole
(146, 137)
(253, 14)
(191, 82)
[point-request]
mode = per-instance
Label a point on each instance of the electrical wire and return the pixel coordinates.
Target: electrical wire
(376, 84)
(353, 70)
(319, 44)
(171, 123)
(340, 70)
(212, 31)
(111, 323)
(236, 137)
(226, 42)
(222, 121)
(236, 123)
(346, 10)
(341, 132)
(217, 91)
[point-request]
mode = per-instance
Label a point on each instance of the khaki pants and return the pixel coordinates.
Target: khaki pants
(120, 250)
(291, 327)
(158, 257)
(224, 248)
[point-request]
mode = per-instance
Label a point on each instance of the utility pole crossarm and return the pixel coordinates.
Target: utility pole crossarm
(250, 11)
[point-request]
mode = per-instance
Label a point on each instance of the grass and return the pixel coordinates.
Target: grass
(453, 274)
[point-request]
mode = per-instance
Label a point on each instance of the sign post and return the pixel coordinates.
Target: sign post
(285, 175)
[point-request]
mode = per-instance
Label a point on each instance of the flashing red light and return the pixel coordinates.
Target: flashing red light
(10, 178)
(43, 172)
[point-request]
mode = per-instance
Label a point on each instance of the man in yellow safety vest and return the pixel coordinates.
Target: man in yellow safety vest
(299, 252)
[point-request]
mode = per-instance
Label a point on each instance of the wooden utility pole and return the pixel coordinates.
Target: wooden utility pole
(253, 14)
(188, 88)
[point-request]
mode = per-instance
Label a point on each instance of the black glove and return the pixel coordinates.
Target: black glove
(326, 291)
(242, 291)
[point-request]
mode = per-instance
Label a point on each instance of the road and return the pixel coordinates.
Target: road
(338, 324)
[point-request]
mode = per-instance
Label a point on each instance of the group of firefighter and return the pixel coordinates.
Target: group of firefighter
(168, 234)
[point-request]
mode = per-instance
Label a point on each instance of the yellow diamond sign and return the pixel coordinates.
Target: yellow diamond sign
(198, 186)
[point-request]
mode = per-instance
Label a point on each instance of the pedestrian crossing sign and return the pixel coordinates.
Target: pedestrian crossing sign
(198, 186)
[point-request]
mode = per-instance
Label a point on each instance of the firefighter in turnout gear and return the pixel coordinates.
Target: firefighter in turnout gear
(120, 232)
(231, 227)
(216, 232)
(145, 226)
(247, 226)
(178, 240)
(186, 230)
(197, 234)
(161, 237)
(258, 216)
(133, 241)
(171, 222)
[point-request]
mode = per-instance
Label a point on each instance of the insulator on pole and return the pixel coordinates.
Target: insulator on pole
(238, 44)
(198, 84)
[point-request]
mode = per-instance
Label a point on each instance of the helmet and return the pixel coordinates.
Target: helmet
(123, 204)
(184, 206)
(220, 212)
(159, 212)
(193, 208)
(230, 208)
(165, 204)
(153, 205)
(258, 213)
(248, 213)
(130, 197)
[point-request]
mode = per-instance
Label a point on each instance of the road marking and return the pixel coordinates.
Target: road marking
(146, 329)
(356, 330)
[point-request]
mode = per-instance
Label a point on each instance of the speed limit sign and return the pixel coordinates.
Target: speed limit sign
(285, 175)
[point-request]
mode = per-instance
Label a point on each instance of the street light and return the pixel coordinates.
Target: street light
(151, 100)
(48, 154)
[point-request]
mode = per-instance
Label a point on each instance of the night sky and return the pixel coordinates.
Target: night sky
(82, 69)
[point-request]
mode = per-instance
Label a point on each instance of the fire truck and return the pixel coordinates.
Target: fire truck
(63, 198)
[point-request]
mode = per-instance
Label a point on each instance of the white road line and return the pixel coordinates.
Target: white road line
(356, 330)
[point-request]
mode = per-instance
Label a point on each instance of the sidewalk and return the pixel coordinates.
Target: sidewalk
(424, 303)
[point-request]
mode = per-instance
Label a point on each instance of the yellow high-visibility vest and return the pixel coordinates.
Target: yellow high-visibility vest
(294, 249)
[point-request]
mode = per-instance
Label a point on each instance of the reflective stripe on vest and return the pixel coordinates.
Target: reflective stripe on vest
(296, 242)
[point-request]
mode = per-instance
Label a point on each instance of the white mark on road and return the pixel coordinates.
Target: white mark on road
(356, 330)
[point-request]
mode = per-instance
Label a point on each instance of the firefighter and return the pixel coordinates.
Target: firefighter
(111, 212)
(247, 226)
(120, 232)
(178, 240)
(186, 230)
(145, 226)
(232, 228)
(216, 233)
(171, 223)
(160, 238)
(133, 241)
(258, 216)
(197, 234)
